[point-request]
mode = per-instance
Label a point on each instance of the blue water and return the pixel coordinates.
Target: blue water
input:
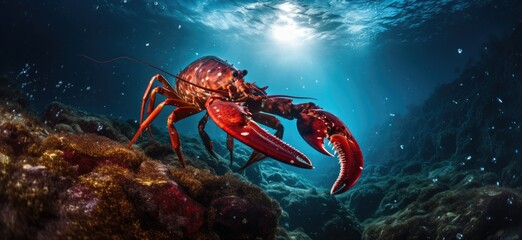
(364, 61)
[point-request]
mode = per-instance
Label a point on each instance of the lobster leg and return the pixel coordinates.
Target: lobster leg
(204, 136)
(184, 110)
(176, 115)
(152, 100)
(162, 91)
(163, 82)
(230, 147)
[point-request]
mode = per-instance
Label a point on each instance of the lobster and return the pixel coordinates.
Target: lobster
(237, 106)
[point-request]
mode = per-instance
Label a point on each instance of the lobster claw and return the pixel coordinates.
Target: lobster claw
(315, 125)
(236, 121)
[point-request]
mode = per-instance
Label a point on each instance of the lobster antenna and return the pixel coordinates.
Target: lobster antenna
(262, 91)
(288, 96)
(151, 66)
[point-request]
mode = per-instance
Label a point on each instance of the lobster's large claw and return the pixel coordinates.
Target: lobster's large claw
(315, 125)
(235, 120)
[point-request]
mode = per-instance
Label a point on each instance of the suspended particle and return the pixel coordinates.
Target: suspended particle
(459, 236)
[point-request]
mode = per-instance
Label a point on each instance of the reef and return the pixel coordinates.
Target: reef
(451, 167)
(63, 177)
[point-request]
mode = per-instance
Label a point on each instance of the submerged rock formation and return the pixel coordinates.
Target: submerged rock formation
(78, 185)
(451, 168)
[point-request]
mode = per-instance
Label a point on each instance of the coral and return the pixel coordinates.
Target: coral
(87, 151)
(79, 185)
(96, 201)
(162, 202)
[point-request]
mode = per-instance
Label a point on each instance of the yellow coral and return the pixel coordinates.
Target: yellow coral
(113, 213)
(95, 146)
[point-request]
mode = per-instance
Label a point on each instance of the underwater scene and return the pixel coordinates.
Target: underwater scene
(235, 120)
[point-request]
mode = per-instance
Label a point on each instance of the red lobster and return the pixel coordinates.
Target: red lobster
(235, 105)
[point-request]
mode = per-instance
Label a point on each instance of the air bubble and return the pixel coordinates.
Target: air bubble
(459, 50)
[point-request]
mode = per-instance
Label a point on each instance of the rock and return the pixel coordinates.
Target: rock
(162, 203)
(70, 120)
(236, 218)
(476, 213)
(317, 214)
(79, 185)
(298, 233)
(365, 202)
(412, 168)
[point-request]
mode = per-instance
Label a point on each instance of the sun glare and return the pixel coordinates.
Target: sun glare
(288, 33)
(286, 30)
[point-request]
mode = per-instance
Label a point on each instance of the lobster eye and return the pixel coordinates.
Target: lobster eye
(235, 74)
(245, 72)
